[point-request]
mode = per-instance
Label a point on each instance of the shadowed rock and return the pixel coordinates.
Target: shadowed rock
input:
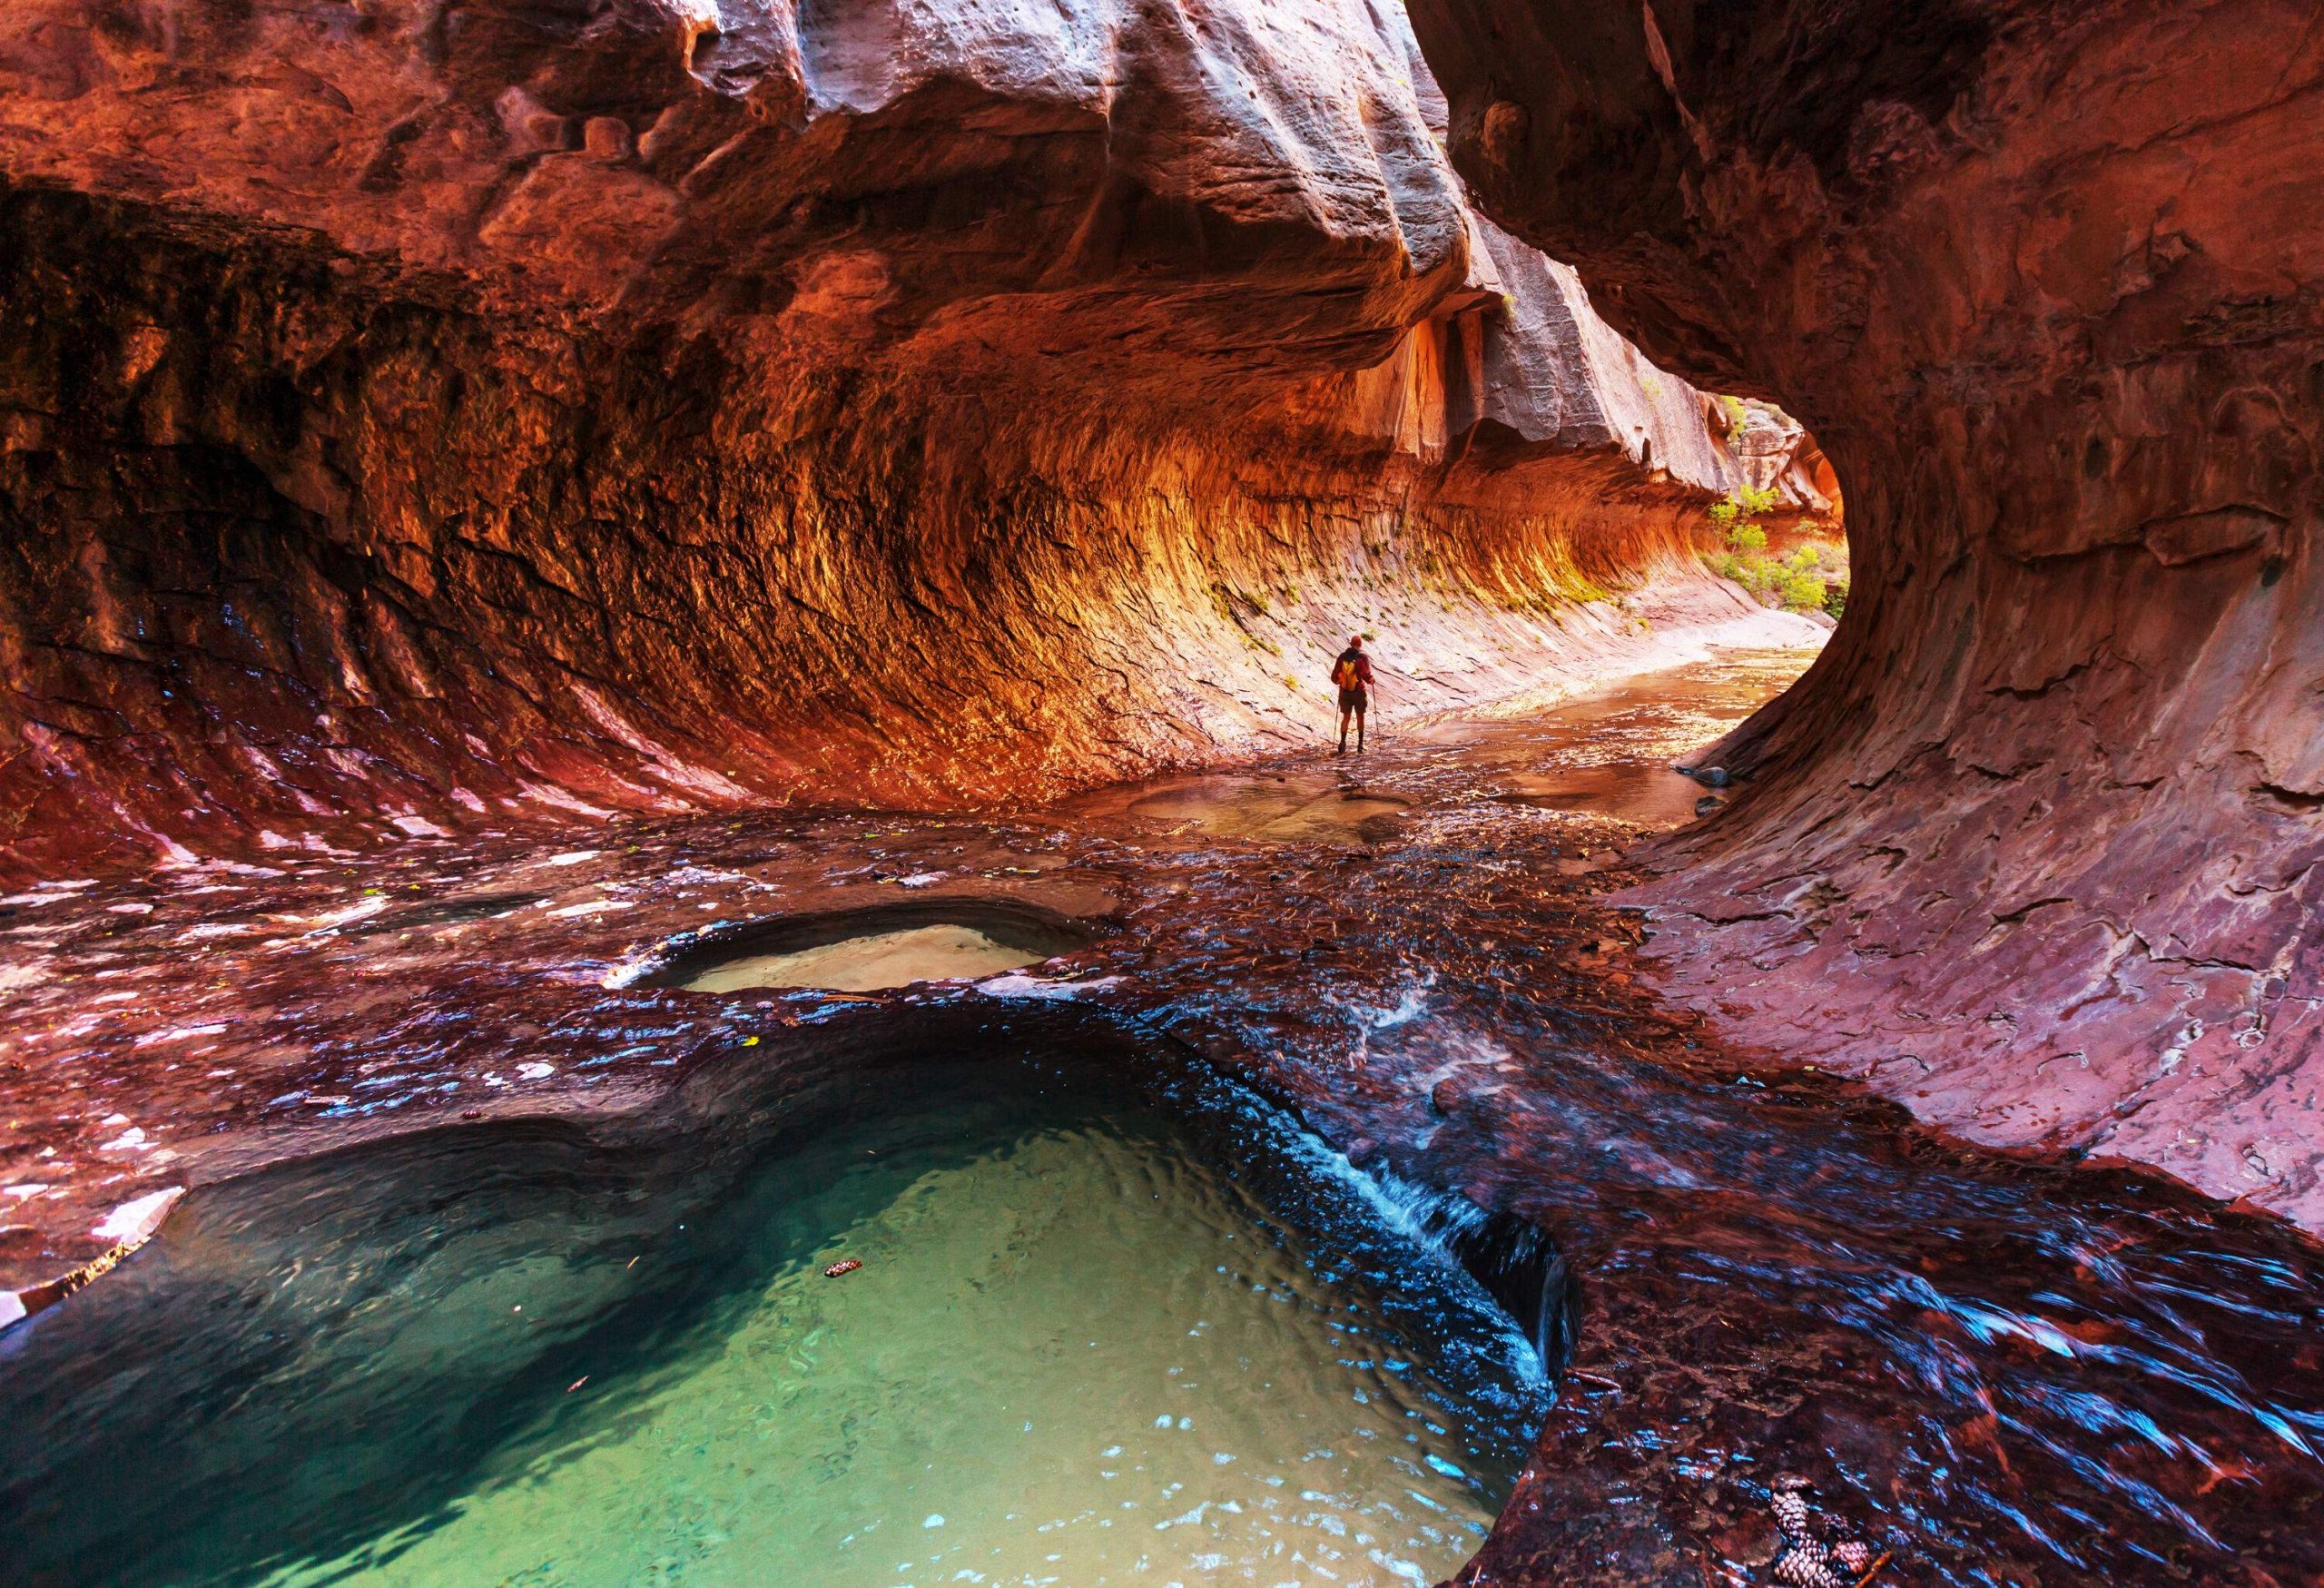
(2033, 848)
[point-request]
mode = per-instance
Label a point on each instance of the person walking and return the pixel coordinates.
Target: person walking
(1352, 677)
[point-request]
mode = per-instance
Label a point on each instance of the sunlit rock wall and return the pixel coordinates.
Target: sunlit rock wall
(425, 416)
(2034, 848)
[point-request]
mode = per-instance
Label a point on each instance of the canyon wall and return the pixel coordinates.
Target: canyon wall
(2033, 848)
(435, 417)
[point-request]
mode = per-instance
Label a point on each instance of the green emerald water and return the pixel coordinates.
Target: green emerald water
(1095, 1340)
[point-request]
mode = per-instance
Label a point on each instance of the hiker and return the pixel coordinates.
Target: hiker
(1352, 677)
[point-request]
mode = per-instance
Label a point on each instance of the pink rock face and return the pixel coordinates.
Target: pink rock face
(2033, 848)
(436, 418)
(651, 158)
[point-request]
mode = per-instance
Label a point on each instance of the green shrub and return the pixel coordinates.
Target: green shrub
(1802, 591)
(1801, 582)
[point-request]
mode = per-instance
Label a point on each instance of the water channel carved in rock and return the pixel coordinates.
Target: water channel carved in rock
(576, 577)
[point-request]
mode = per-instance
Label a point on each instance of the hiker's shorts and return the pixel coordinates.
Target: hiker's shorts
(1351, 700)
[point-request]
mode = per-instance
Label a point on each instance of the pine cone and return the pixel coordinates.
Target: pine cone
(1810, 1565)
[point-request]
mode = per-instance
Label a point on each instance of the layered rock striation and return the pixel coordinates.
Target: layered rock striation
(428, 418)
(2034, 846)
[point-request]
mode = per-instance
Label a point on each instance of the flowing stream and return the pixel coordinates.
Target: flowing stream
(428, 1087)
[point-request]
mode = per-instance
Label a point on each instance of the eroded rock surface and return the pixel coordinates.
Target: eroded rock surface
(2004, 1372)
(2035, 849)
(431, 418)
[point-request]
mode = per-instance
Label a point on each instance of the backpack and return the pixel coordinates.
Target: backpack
(1346, 674)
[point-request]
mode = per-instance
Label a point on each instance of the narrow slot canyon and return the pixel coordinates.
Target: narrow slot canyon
(2033, 847)
(686, 895)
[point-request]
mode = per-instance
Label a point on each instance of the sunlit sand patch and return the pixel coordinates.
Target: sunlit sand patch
(872, 948)
(872, 964)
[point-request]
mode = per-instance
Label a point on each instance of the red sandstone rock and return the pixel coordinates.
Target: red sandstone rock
(431, 418)
(2034, 847)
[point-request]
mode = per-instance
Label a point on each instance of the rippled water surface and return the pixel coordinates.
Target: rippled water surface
(1090, 1343)
(1312, 807)
(2005, 1371)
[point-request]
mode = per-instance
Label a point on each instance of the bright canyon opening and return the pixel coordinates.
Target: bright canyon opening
(581, 575)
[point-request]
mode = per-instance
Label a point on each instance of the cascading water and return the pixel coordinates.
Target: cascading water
(2001, 1372)
(1102, 1333)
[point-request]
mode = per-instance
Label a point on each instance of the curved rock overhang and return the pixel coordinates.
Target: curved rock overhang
(2034, 847)
(442, 416)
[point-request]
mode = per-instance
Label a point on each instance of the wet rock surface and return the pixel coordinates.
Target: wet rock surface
(479, 484)
(2004, 1372)
(2034, 849)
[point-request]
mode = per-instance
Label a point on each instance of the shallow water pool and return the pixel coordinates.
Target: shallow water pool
(873, 962)
(1315, 807)
(1101, 1335)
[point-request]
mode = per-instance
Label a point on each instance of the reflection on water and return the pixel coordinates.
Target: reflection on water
(1087, 1345)
(867, 964)
(1612, 754)
(2008, 1372)
(1605, 754)
(1293, 808)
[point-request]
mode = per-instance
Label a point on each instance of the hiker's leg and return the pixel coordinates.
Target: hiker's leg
(1343, 749)
(1359, 730)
